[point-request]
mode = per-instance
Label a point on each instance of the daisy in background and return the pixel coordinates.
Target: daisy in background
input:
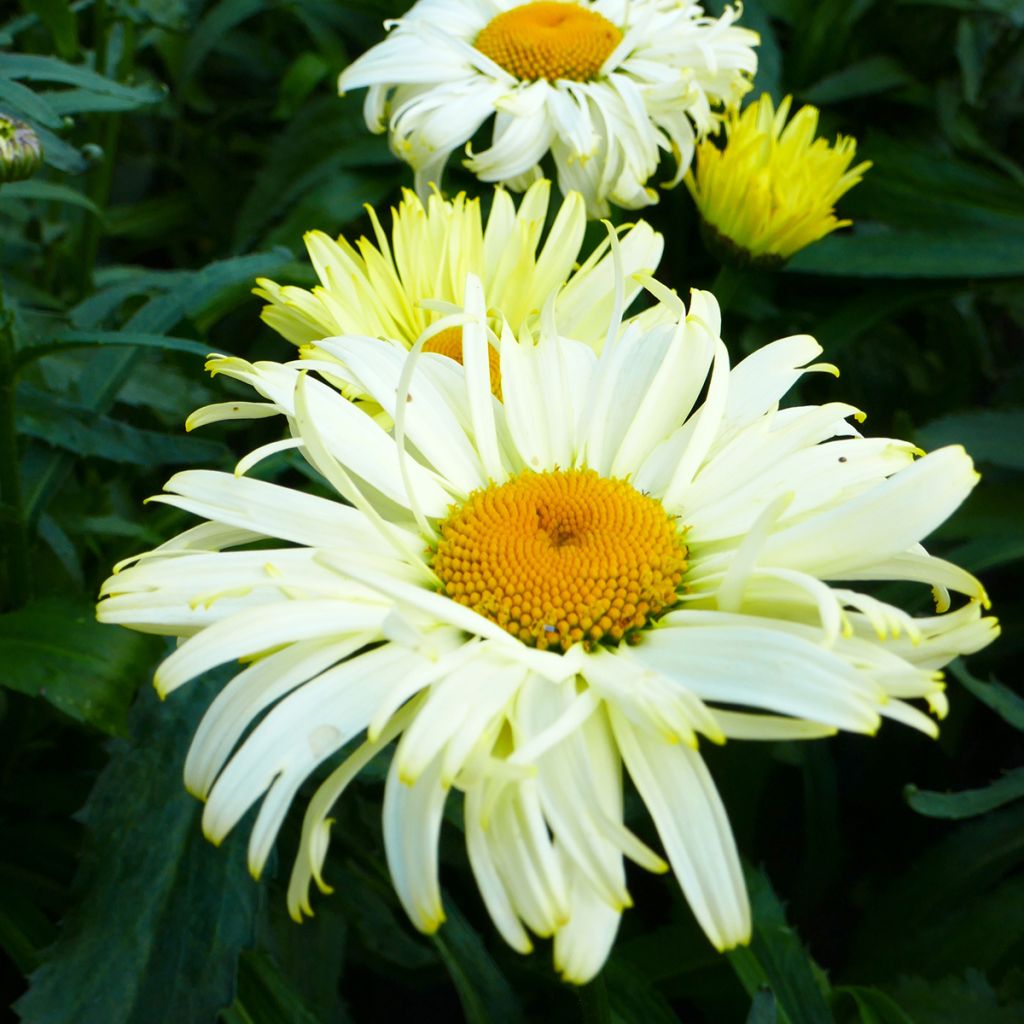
(401, 284)
(632, 553)
(605, 85)
(771, 189)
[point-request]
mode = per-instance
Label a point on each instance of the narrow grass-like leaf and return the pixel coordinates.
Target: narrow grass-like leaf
(47, 192)
(969, 803)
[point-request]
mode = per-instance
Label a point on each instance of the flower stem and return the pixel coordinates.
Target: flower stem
(594, 1006)
(727, 283)
(19, 578)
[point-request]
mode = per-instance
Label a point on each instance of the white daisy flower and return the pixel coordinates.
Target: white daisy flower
(634, 552)
(399, 285)
(604, 85)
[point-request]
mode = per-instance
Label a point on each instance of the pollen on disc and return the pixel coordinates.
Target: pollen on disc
(562, 557)
(449, 343)
(549, 40)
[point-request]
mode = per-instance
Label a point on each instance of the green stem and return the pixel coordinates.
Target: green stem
(19, 575)
(594, 1006)
(103, 176)
(728, 282)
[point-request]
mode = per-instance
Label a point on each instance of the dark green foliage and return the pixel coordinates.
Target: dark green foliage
(162, 914)
(189, 146)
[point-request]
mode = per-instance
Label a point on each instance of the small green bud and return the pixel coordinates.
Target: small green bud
(21, 152)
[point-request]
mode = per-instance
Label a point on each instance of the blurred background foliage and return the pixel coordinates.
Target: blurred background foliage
(189, 145)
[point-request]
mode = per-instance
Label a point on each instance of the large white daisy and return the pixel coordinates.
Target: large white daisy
(604, 85)
(632, 553)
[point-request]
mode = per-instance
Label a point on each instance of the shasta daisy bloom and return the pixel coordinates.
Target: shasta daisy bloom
(631, 554)
(605, 86)
(400, 284)
(772, 189)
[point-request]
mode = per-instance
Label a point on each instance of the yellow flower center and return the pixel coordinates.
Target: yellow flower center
(549, 40)
(562, 557)
(449, 343)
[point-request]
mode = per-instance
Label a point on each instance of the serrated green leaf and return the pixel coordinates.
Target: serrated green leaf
(78, 429)
(38, 68)
(776, 958)
(56, 650)
(188, 293)
(1006, 703)
(162, 914)
(67, 340)
(968, 803)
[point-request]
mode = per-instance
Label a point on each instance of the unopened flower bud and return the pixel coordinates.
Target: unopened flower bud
(21, 152)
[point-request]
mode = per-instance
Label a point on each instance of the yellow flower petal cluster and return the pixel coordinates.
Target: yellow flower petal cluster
(398, 284)
(772, 189)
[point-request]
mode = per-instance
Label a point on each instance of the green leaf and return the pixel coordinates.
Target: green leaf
(762, 1008)
(969, 803)
(56, 650)
(865, 78)
(47, 192)
(35, 68)
(953, 1000)
(78, 429)
(60, 22)
(874, 1006)
(632, 997)
(1010, 9)
(86, 101)
(216, 22)
(989, 435)
(188, 293)
(162, 914)
(776, 958)
(946, 907)
(484, 992)
(28, 103)
(59, 154)
(97, 339)
(1006, 703)
(266, 996)
(879, 250)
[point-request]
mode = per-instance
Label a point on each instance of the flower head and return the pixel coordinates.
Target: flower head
(21, 152)
(630, 554)
(604, 85)
(772, 189)
(399, 285)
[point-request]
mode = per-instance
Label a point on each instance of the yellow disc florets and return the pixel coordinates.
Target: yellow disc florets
(549, 40)
(449, 343)
(562, 557)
